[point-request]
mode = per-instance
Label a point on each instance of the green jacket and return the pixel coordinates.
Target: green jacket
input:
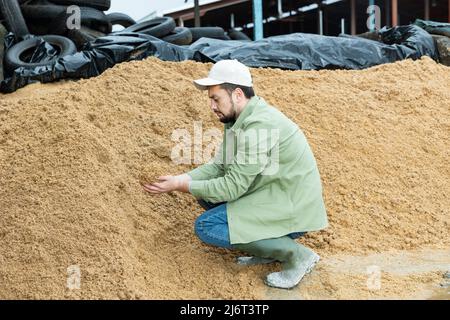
(267, 174)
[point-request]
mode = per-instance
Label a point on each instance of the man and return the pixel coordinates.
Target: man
(262, 190)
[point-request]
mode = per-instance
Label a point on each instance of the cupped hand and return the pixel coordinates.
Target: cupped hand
(168, 184)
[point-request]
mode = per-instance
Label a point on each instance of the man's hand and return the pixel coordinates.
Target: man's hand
(169, 184)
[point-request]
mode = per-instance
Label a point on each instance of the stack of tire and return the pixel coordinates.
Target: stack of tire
(164, 28)
(35, 21)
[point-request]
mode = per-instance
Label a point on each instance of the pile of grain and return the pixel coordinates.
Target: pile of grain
(72, 155)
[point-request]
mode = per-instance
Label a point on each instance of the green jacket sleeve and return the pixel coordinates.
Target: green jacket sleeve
(250, 160)
(210, 170)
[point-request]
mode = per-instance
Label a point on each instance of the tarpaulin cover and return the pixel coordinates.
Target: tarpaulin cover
(433, 27)
(99, 55)
(313, 52)
(296, 51)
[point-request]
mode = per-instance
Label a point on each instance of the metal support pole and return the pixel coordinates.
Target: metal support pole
(257, 19)
(427, 10)
(320, 22)
(280, 8)
(196, 13)
(342, 26)
(394, 13)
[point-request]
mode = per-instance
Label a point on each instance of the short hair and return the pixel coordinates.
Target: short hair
(249, 92)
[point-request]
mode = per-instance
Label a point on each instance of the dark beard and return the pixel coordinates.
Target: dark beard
(231, 117)
(227, 119)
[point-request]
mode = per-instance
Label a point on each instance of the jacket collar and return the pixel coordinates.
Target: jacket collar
(247, 111)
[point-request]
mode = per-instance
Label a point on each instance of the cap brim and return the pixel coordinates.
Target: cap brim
(205, 83)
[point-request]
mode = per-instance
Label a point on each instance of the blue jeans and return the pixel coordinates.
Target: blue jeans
(212, 226)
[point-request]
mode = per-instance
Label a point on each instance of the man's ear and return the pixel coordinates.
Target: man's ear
(239, 93)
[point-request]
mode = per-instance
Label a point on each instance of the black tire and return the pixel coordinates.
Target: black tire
(13, 57)
(90, 17)
(370, 35)
(180, 36)
(84, 35)
(120, 19)
(158, 27)
(3, 34)
(20, 3)
(102, 5)
(38, 29)
(238, 35)
(14, 18)
(133, 35)
(208, 32)
(41, 12)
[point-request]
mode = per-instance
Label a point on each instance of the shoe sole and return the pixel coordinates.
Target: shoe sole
(313, 264)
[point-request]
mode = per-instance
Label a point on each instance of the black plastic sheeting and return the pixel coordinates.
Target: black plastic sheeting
(101, 54)
(314, 52)
(433, 27)
(294, 52)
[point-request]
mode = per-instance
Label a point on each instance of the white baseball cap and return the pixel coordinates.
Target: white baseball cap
(226, 71)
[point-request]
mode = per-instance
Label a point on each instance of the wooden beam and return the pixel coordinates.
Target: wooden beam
(196, 13)
(188, 14)
(427, 10)
(394, 13)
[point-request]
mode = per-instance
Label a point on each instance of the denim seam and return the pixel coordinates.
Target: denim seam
(211, 235)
